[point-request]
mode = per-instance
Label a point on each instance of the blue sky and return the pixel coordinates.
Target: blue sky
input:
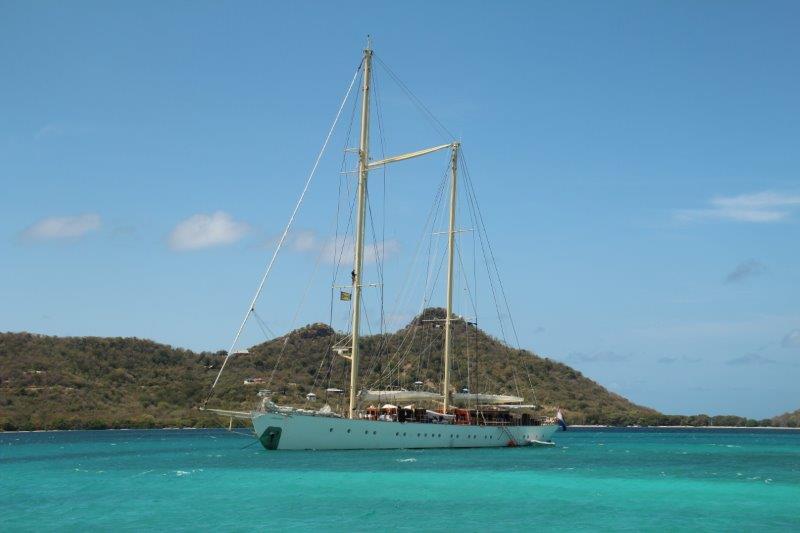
(636, 163)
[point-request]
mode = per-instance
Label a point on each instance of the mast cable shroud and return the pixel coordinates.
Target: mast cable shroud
(251, 308)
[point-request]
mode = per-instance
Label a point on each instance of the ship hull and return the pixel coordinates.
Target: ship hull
(279, 431)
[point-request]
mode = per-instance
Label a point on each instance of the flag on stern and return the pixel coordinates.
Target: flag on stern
(560, 420)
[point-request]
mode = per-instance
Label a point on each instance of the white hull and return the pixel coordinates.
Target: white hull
(307, 432)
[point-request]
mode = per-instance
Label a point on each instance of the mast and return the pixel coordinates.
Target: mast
(358, 262)
(451, 234)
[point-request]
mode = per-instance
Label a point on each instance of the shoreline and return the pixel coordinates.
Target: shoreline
(600, 426)
(577, 426)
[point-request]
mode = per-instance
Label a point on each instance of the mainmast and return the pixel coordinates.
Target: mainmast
(451, 234)
(358, 262)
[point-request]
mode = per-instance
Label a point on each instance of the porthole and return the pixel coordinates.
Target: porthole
(397, 434)
(417, 434)
(348, 431)
(374, 432)
(440, 435)
(426, 434)
(404, 433)
(366, 433)
(331, 430)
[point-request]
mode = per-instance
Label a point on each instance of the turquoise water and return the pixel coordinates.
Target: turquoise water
(211, 479)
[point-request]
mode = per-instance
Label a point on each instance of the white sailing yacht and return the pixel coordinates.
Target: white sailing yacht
(402, 418)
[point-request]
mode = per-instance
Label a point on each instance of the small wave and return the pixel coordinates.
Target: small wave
(408, 460)
(182, 473)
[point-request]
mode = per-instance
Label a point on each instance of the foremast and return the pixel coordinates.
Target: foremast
(358, 261)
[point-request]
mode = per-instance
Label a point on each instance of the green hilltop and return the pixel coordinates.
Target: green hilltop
(94, 382)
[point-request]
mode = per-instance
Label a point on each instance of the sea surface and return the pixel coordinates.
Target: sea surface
(635, 479)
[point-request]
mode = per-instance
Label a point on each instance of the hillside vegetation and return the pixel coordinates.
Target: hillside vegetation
(92, 382)
(791, 420)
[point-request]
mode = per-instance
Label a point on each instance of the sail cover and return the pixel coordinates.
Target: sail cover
(464, 398)
(398, 396)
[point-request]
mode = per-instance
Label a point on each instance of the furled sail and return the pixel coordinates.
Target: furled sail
(398, 396)
(466, 398)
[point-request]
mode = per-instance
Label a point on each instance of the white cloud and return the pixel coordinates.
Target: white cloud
(303, 241)
(204, 231)
(760, 207)
(55, 228)
(334, 250)
(792, 339)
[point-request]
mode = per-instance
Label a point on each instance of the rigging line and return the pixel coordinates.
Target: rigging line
(342, 178)
(379, 262)
(379, 249)
(491, 252)
(433, 214)
(299, 308)
(379, 115)
(285, 232)
(481, 237)
(533, 390)
(433, 217)
(264, 327)
(447, 134)
(334, 273)
(482, 226)
(466, 350)
(466, 281)
(339, 250)
(438, 272)
(430, 222)
(405, 294)
(379, 267)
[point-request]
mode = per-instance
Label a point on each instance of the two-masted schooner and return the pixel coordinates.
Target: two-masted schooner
(402, 418)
